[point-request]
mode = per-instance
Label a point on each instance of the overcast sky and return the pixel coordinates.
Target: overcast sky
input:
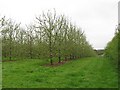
(98, 18)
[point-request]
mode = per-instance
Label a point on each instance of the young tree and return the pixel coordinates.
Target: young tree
(48, 23)
(30, 40)
(59, 35)
(8, 35)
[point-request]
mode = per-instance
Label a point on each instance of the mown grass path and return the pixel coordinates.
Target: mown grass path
(0, 75)
(92, 72)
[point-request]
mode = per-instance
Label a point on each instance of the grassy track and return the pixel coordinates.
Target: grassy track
(93, 72)
(0, 75)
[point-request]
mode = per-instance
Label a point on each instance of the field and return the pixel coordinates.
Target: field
(91, 72)
(0, 75)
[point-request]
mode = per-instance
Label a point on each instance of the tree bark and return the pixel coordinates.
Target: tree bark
(10, 53)
(59, 57)
(50, 49)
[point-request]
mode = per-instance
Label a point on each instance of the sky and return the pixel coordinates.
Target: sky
(119, 13)
(97, 18)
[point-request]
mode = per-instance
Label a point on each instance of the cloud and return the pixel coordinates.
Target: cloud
(97, 18)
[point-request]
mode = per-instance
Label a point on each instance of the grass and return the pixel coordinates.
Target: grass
(0, 75)
(92, 72)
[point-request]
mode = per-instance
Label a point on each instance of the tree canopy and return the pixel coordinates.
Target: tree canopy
(50, 36)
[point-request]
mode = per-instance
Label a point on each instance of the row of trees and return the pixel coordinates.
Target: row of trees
(50, 36)
(112, 50)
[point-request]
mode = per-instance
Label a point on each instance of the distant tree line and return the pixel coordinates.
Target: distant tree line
(99, 51)
(50, 36)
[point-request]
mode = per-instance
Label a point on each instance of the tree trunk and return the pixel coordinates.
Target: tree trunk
(70, 56)
(50, 49)
(31, 47)
(65, 46)
(59, 51)
(10, 53)
(51, 56)
(10, 57)
(59, 57)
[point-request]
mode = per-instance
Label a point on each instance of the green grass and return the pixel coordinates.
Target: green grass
(93, 72)
(0, 75)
